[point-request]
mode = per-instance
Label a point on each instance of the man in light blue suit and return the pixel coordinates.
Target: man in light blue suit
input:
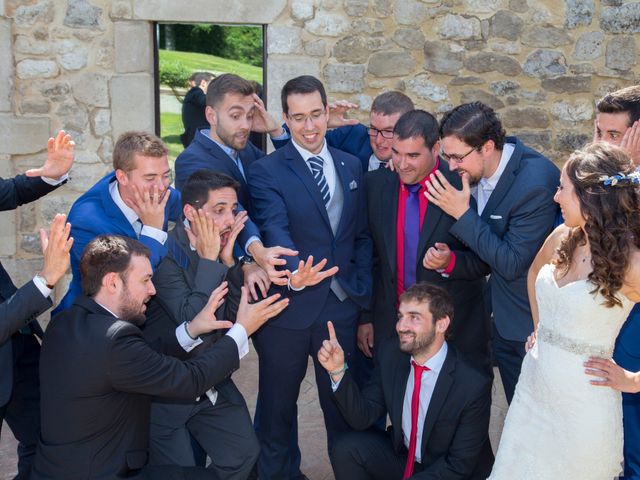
(308, 197)
(514, 187)
(135, 201)
(618, 122)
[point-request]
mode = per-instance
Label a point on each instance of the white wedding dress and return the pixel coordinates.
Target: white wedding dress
(559, 426)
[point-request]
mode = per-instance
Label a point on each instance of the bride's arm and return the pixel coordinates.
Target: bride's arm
(543, 257)
(610, 374)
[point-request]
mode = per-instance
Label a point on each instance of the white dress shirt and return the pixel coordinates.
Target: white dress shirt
(426, 392)
(132, 217)
(485, 186)
(374, 163)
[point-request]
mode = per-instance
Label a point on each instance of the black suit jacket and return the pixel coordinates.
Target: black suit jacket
(470, 328)
(21, 306)
(184, 283)
(455, 440)
(98, 375)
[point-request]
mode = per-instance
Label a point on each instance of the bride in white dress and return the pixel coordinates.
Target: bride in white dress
(582, 285)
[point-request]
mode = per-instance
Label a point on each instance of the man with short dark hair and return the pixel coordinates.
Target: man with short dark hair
(405, 226)
(200, 259)
(439, 404)
(193, 106)
(135, 200)
(513, 187)
(308, 197)
(618, 122)
(98, 374)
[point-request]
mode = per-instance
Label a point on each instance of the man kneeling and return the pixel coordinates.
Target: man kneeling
(98, 373)
(438, 403)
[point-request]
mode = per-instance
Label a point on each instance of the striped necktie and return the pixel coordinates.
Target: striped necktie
(316, 164)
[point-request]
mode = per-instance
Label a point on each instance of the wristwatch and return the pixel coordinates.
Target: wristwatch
(246, 260)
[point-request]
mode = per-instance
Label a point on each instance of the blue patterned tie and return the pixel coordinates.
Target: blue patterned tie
(316, 164)
(411, 234)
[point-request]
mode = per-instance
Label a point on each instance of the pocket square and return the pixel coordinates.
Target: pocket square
(495, 217)
(353, 185)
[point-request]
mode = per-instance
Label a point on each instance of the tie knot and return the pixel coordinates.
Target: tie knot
(413, 188)
(316, 163)
(420, 368)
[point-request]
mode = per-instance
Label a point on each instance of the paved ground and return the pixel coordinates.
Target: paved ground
(315, 463)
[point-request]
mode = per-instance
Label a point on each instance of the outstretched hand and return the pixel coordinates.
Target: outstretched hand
(59, 158)
(270, 258)
(309, 274)
(452, 201)
(337, 111)
(206, 321)
(56, 245)
(253, 316)
(331, 355)
(263, 121)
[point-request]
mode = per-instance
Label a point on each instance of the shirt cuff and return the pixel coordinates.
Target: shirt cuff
(284, 136)
(452, 264)
(46, 291)
(55, 181)
(239, 335)
(186, 342)
(334, 385)
(159, 235)
(252, 239)
(291, 287)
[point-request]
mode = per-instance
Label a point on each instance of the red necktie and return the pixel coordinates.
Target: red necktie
(415, 405)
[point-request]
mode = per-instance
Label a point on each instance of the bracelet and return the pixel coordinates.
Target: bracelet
(187, 330)
(342, 370)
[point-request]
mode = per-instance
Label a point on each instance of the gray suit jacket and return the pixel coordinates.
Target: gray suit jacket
(507, 236)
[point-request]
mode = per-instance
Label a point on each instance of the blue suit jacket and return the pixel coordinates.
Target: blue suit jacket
(204, 154)
(352, 139)
(290, 212)
(95, 213)
(507, 236)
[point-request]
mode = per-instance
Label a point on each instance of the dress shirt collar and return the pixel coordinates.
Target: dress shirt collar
(489, 184)
(187, 226)
(435, 363)
(306, 154)
(106, 308)
(129, 213)
(374, 162)
(228, 150)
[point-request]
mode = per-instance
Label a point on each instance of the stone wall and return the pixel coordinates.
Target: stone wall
(87, 66)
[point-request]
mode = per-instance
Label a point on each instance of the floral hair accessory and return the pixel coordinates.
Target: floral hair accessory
(620, 179)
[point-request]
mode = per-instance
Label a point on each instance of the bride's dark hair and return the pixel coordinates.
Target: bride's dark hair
(610, 204)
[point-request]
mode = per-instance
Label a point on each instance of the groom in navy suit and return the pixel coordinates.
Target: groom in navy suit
(308, 197)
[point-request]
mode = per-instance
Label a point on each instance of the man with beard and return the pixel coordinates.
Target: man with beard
(233, 112)
(438, 403)
(513, 186)
(99, 374)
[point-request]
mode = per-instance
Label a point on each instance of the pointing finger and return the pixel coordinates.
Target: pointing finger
(332, 332)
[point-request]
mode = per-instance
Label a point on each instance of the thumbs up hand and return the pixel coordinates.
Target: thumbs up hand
(331, 355)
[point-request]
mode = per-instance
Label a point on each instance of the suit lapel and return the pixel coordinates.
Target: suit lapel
(113, 210)
(439, 397)
(301, 170)
(504, 184)
(388, 212)
(402, 371)
(182, 242)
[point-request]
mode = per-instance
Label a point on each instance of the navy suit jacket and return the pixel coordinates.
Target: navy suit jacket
(204, 154)
(352, 139)
(21, 306)
(95, 213)
(291, 213)
(507, 236)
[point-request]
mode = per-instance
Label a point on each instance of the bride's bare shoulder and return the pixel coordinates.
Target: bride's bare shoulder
(632, 278)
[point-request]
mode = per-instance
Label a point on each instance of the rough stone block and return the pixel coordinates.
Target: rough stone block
(481, 6)
(391, 64)
(525, 117)
(316, 48)
(132, 103)
(28, 218)
(327, 24)
(284, 39)
(8, 242)
(545, 63)
(352, 49)
(383, 8)
(579, 13)
(282, 69)
(546, 36)
(409, 38)
(82, 14)
(568, 84)
(422, 87)
(101, 121)
(507, 48)
(35, 106)
(519, 6)
(440, 59)
(73, 55)
(27, 15)
(492, 62)
(202, 11)
(91, 89)
(623, 19)
(568, 140)
(29, 46)
(56, 92)
(539, 139)
(133, 47)
(344, 78)
(6, 65)
(621, 52)
(120, 10)
(29, 68)
(73, 117)
(477, 95)
(366, 25)
(87, 175)
(302, 9)
(22, 135)
(505, 24)
(582, 69)
(573, 112)
(466, 81)
(504, 87)
(356, 8)
(105, 151)
(458, 27)
(410, 12)
(588, 46)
